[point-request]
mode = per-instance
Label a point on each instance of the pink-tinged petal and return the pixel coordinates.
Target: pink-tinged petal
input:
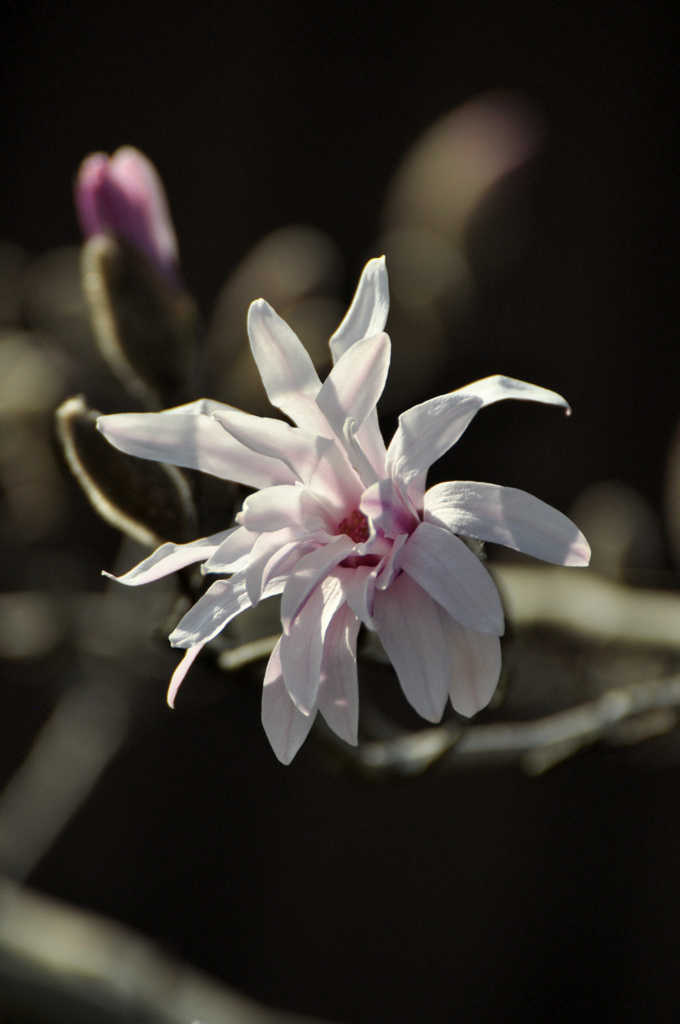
(233, 553)
(497, 388)
(299, 449)
(124, 194)
(181, 671)
(169, 558)
(388, 510)
(505, 515)
(285, 726)
(445, 567)
(425, 432)
(409, 627)
(354, 385)
(336, 483)
(301, 649)
(193, 441)
(222, 602)
(372, 444)
(391, 564)
(338, 697)
(286, 505)
(309, 571)
(358, 587)
(367, 314)
(272, 555)
(475, 665)
(287, 372)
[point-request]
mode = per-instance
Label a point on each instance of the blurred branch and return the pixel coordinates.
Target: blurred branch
(71, 966)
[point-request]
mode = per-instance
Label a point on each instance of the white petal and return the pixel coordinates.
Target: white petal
(495, 389)
(425, 432)
(299, 449)
(505, 515)
(358, 587)
(222, 602)
(356, 382)
(388, 509)
(475, 665)
(309, 571)
(285, 726)
(446, 568)
(336, 483)
(195, 441)
(367, 315)
(181, 671)
(171, 557)
(338, 697)
(287, 372)
(286, 505)
(302, 653)
(233, 553)
(271, 557)
(408, 624)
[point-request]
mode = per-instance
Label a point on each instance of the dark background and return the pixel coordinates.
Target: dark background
(481, 898)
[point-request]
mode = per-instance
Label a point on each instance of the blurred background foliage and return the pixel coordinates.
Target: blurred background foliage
(514, 164)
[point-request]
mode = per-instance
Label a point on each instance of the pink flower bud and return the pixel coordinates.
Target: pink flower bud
(124, 195)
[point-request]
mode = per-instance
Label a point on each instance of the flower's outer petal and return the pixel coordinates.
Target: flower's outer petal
(222, 601)
(285, 726)
(449, 572)
(171, 557)
(354, 385)
(181, 671)
(475, 665)
(497, 388)
(287, 372)
(286, 505)
(302, 653)
(367, 314)
(410, 630)
(299, 449)
(309, 571)
(505, 515)
(425, 432)
(233, 553)
(195, 441)
(339, 692)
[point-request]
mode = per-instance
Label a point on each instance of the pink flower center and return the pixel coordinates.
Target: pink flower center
(355, 525)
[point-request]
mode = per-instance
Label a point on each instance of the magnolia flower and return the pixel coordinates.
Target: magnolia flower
(124, 194)
(344, 529)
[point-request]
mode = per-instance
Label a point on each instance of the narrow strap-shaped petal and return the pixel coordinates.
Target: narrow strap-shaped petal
(195, 441)
(302, 653)
(309, 571)
(169, 558)
(269, 558)
(505, 515)
(367, 314)
(222, 601)
(354, 385)
(286, 727)
(475, 665)
(425, 432)
(408, 624)
(496, 388)
(299, 449)
(445, 567)
(338, 697)
(233, 553)
(181, 671)
(285, 505)
(287, 372)
(358, 586)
